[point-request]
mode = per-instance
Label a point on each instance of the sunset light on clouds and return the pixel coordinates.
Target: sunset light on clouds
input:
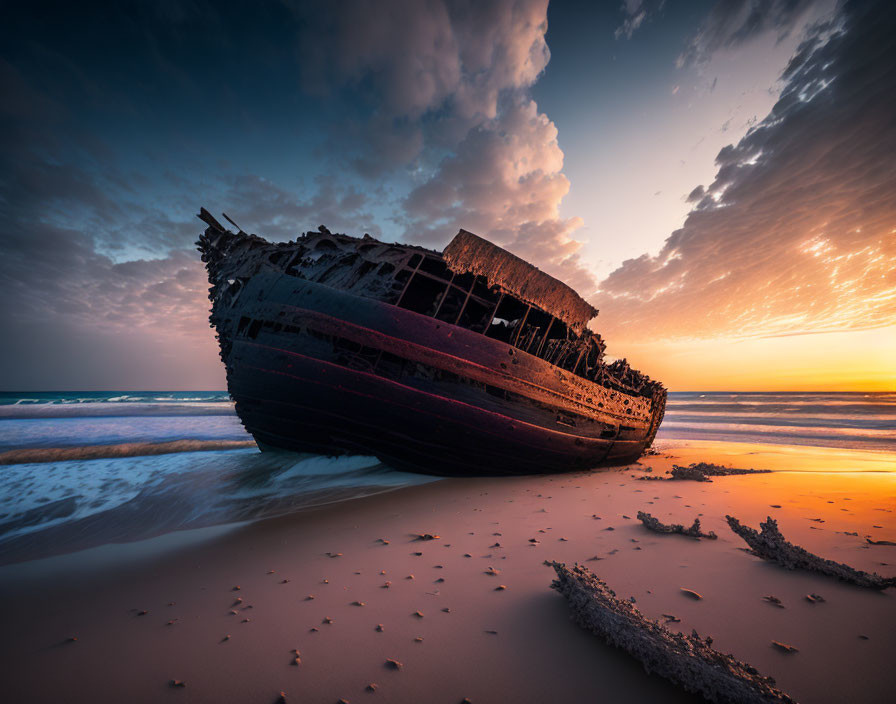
(717, 180)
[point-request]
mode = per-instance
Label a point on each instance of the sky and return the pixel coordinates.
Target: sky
(718, 178)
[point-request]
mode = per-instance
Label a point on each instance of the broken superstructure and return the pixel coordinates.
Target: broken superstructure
(466, 361)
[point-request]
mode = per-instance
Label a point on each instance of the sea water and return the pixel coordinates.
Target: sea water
(851, 420)
(56, 506)
(52, 507)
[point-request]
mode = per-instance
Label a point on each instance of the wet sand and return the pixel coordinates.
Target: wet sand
(471, 639)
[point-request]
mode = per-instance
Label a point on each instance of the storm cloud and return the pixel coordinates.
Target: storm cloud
(403, 119)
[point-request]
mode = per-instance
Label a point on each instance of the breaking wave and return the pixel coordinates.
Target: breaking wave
(63, 506)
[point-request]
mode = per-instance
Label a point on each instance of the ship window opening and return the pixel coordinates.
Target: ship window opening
(508, 316)
(464, 281)
(608, 433)
(482, 290)
(533, 331)
(451, 304)
(496, 391)
(241, 326)
(342, 263)
(436, 267)
(422, 295)
(414, 261)
(366, 267)
(475, 316)
(385, 268)
(254, 329)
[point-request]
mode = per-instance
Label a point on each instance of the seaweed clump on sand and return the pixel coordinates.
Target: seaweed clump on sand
(687, 660)
(656, 526)
(770, 544)
(702, 471)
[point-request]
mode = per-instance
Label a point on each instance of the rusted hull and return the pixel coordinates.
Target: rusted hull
(295, 402)
(316, 369)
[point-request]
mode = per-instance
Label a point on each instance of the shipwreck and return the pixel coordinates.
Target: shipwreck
(468, 361)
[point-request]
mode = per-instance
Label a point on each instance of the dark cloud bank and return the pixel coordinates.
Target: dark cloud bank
(119, 121)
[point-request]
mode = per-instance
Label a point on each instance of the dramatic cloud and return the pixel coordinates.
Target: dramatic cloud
(408, 118)
(798, 231)
(505, 182)
(635, 13)
(449, 95)
(733, 22)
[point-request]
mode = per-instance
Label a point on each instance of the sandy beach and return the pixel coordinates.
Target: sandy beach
(222, 610)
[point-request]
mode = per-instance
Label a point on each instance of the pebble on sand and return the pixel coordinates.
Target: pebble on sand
(177, 683)
(327, 619)
(500, 588)
(691, 593)
(371, 687)
(393, 664)
(417, 614)
(379, 628)
(814, 598)
(771, 599)
(359, 603)
(491, 571)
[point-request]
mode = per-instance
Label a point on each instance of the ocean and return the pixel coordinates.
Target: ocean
(213, 475)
